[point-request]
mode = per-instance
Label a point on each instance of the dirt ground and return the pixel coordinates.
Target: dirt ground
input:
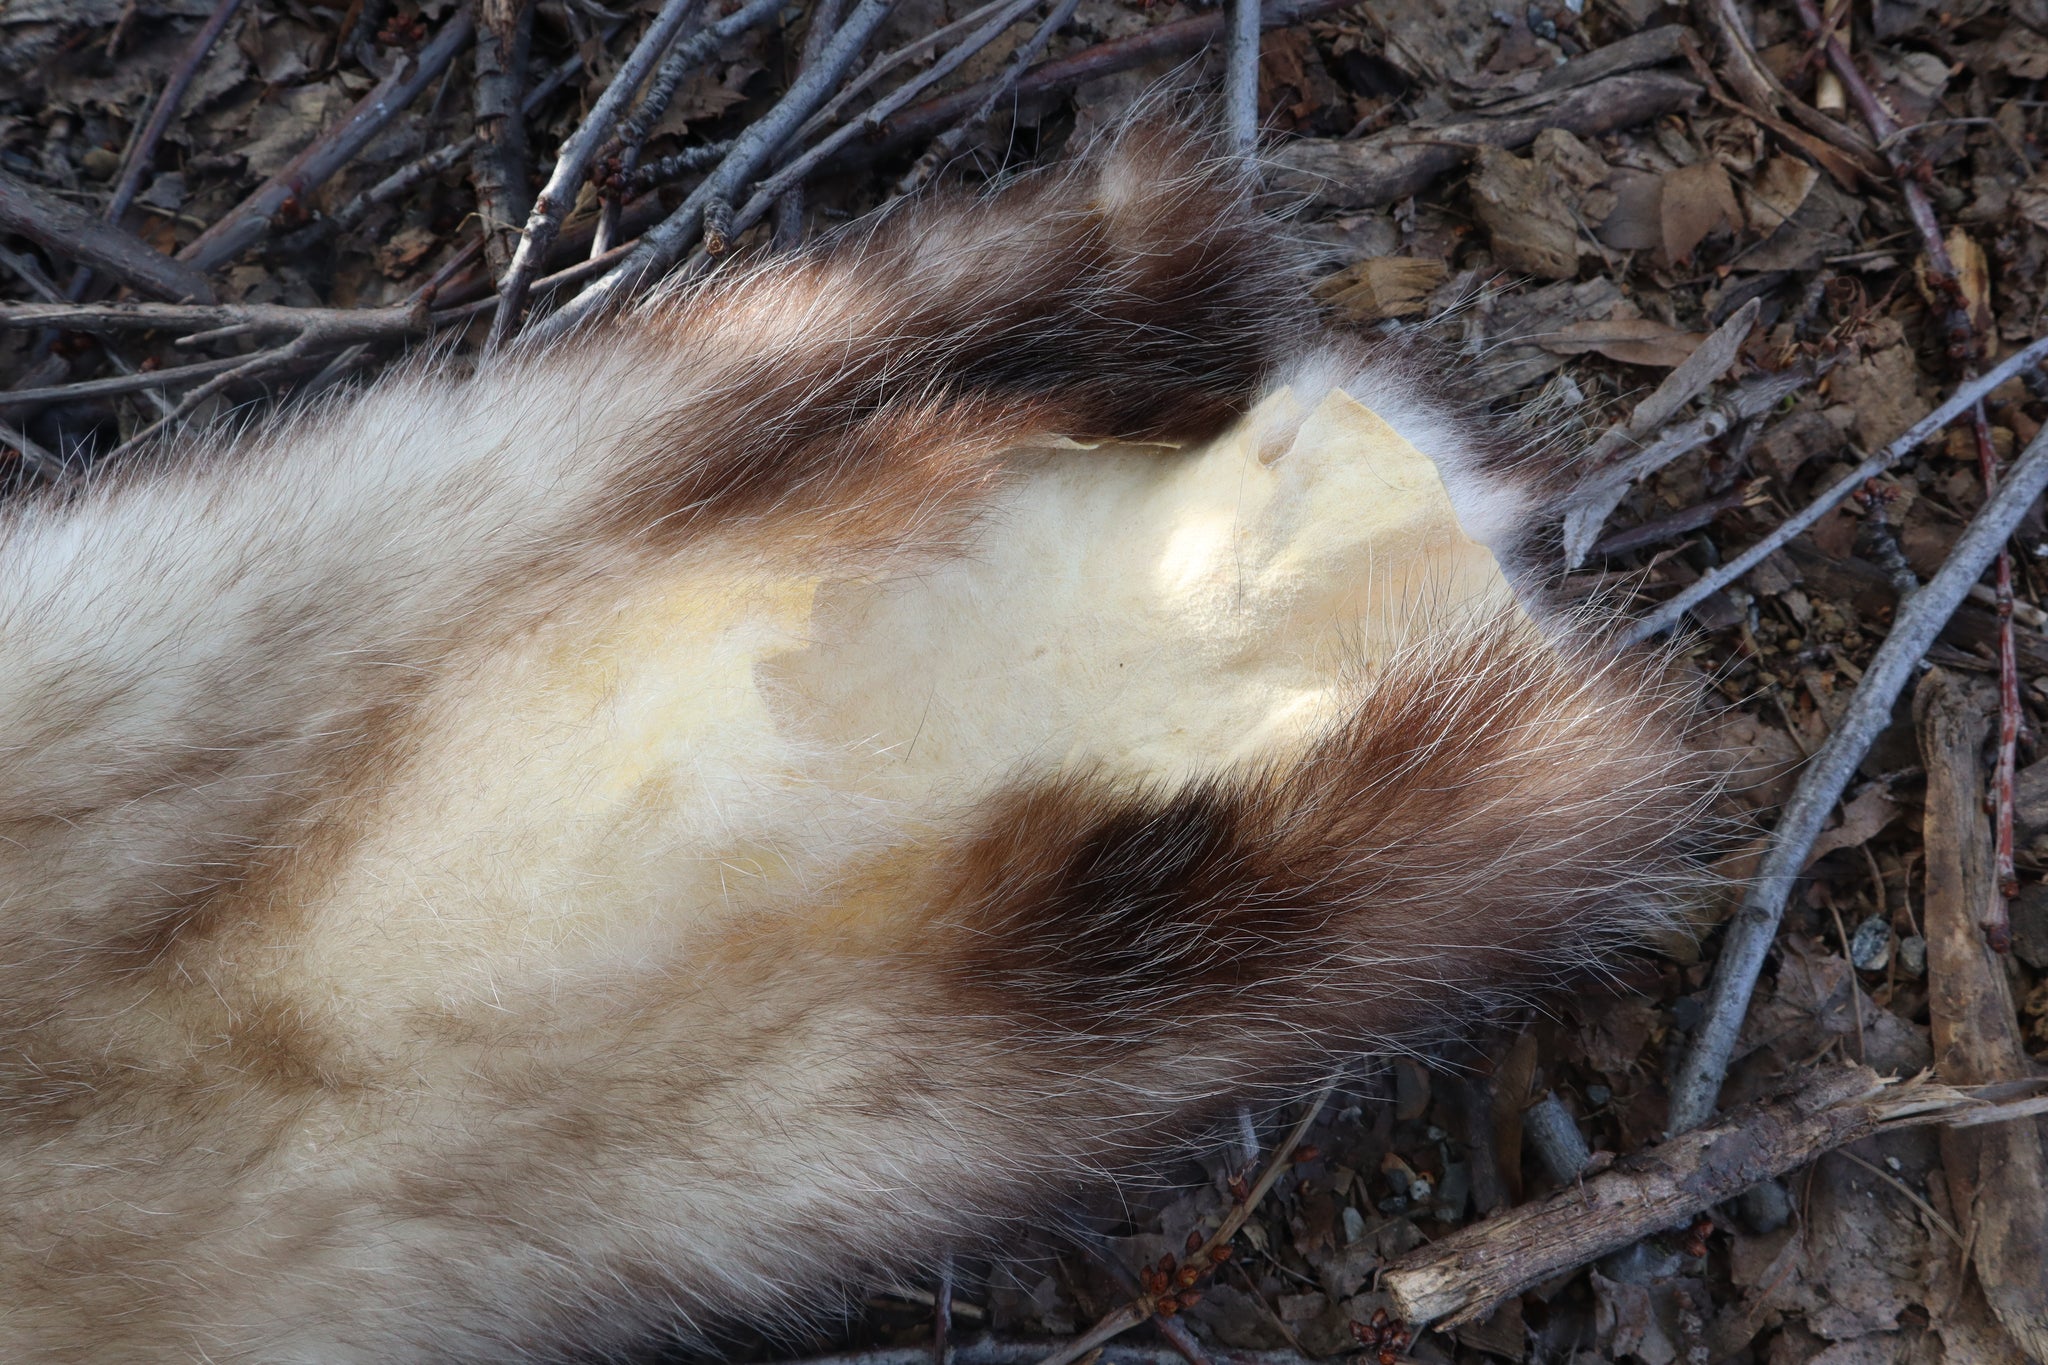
(1571, 196)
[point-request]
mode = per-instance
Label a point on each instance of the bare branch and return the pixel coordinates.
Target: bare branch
(1669, 615)
(1750, 933)
(947, 144)
(1241, 76)
(497, 165)
(142, 154)
(1461, 1277)
(665, 243)
(249, 221)
(572, 165)
(71, 232)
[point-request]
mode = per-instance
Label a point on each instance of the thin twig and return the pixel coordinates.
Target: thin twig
(1212, 1252)
(881, 66)
(792, 175)
(249, 221)
(1461, 1277)
(1751, 932)
(789, 209)
(142, 154)
(987, 1351)
(70, 232)
(1241, 77)
(1966, 394)
(942, 1311)
(1945, 282)
(948, 143)
(340, 324)
(572, 164)
(441, 158)
(661, 246)
(46, 465)
(635, 128)
(116, 384)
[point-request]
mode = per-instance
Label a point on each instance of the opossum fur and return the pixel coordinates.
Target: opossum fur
(769, 788)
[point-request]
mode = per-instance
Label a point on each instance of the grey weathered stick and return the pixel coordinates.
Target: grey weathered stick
(984, 1351)
(249, 221)
(1241, 76)
(1749, 936)
(1550, 1128)
(572, 164)
(338, 324)
(1966, 395)
(47, 465)
(116, 384)
(1461, 1277)
(1179, 39)
(74, 234)
(635, 128)
(441, 158)
(828, 113)
(948, 143)
(661, 246)
(789, 232)
(792, 176)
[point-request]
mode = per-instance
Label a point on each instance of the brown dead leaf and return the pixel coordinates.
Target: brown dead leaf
(1632, 341)
(1697, 201)
(1777, 192)
(1384, 287)
(405, 249)
(1883, 390)
(1862, 820)
(1532, 230)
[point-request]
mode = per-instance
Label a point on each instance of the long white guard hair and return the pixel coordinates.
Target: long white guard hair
(768, 789)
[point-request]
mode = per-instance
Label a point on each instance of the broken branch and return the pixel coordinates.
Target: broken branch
(1750, 933)
(1460, 1278)
(74, 234)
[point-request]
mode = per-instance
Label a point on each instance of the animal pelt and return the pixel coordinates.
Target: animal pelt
(768, 788)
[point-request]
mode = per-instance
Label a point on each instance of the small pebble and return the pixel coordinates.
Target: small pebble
(1354, 1226)
(1870, 947)
(1598, 1094)
(1913, 955)
(1764, 1208)
(100, 164)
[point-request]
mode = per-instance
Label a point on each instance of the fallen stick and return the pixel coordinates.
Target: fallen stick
(1241, 76)
(986, 1351)
(947, 144)
(573, 161)
(1966, 394)
(662, 245)
(1162, 1296)
(1998, 1177)
(1166, 42)
(1392, 165)
(1460, 1278)
(1750, 933)
(349, 324)
(71, 232)
(249, 221)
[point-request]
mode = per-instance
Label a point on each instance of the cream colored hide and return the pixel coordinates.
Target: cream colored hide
(731, 737)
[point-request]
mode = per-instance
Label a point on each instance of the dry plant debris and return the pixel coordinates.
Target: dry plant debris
(1779, 268)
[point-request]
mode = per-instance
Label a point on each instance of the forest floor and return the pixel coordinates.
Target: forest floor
(1731, 258)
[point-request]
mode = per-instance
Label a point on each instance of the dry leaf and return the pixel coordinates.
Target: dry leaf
(404, 250)
(1633, 341)
(1384, 287)
(1862, 820)
(1697, 200)
(1532, 230)
(1778, 191)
